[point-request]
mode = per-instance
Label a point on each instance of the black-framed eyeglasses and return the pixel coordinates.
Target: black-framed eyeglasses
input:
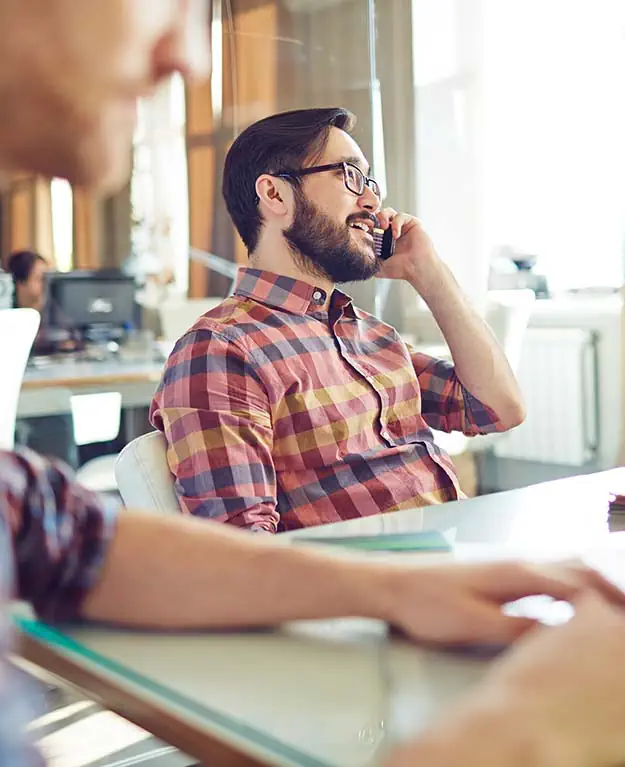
(355, 180)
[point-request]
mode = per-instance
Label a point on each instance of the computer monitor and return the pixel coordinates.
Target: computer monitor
(85, 300)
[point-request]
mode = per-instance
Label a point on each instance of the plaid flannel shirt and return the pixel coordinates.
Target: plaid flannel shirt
(53, 534)
(281, 415)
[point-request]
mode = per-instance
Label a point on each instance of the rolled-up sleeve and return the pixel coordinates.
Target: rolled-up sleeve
(60, 533)
(214, 411)
(446, 404)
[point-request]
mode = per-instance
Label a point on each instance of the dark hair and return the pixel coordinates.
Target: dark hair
(281, 142)
(20, 264)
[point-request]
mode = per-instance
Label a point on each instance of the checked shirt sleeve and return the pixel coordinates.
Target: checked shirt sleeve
(214, 411)
(446, 404)
(59, 531)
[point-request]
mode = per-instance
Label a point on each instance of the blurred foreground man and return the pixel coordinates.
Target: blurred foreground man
(70, 74)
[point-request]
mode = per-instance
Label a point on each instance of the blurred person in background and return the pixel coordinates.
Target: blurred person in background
(28, 269)
(50, 435)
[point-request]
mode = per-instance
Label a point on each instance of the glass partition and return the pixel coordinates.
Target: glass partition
(275, 55)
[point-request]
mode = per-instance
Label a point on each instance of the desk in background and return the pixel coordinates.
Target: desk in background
(324, 693)
(136, 381)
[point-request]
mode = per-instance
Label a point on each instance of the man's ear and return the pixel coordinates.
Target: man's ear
(274, 194)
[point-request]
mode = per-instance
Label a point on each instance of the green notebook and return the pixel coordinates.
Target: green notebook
(427, 540)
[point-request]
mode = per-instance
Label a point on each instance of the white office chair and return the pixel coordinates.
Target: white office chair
(18, 328)
(143, 477)
(96, 418)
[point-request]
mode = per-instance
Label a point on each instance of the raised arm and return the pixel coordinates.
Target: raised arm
(479, 361)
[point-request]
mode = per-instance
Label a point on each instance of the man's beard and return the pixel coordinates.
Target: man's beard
(323, 248)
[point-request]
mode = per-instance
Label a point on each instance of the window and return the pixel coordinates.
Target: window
(159, 199)
(520, 135)
(62, 223)
(554, 136)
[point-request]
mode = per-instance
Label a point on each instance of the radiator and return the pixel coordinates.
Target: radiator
(558, 377)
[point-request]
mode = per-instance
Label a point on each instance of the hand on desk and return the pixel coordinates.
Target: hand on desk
(557, 699)
(461, 604)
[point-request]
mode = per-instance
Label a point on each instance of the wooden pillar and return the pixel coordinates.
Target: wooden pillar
(256, 84)
(248, 74)
(21, 217)
(27, 216)
(201, 181)
(87, 230)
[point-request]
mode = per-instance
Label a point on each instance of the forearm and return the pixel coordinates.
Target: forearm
(172, 573)
(488, 733)
(479, 360)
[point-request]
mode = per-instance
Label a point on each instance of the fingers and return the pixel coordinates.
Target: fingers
(480, 623)
(397, 225)
(385, 216)
(604, 587)
(597, 628)
(397, 221)
(464, 602)
(594, 608)
(490, 626)
(513, 580)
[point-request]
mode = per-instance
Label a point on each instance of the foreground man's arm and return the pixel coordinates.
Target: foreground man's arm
(557, 699)
(174, 572)
(75, 557)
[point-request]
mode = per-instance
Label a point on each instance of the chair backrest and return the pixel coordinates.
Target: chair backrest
(18, 328)
(143, 477)
(178, 315)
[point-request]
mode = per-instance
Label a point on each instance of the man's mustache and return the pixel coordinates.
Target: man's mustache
(362, 217)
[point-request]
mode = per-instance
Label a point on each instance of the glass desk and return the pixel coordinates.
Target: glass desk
(325, 693)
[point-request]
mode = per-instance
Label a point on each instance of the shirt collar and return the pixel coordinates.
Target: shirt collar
(286, 293)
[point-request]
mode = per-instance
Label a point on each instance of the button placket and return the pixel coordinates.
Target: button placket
(368, 376)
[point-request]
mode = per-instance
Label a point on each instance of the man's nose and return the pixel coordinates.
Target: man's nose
(369, 201)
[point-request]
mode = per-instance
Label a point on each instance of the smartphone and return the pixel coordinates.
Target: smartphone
(384, 243)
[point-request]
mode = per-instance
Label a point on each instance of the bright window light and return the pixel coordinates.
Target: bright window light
(62, 223)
